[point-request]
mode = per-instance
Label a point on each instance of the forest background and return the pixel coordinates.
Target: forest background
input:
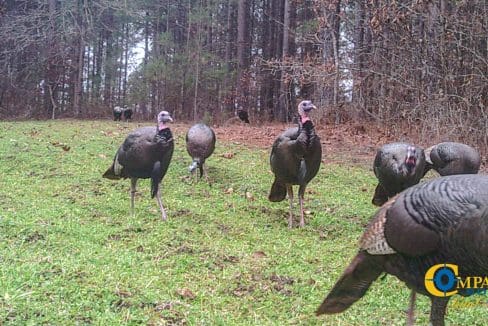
(410, 67)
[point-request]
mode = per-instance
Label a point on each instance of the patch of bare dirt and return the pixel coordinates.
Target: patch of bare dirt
(349, 143)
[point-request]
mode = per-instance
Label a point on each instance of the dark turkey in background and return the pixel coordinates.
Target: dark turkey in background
(117, 112)
(128, 112)
(243, 115)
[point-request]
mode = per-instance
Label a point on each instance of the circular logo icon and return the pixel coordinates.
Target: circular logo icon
(441, 280)
(444, 279)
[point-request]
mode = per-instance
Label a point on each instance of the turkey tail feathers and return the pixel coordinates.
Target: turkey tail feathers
(110, 174)
(114, 172)
(352, 285)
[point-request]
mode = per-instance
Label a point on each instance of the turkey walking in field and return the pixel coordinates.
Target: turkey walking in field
(451, 158)
(128, 112)
(200, 144)
(295, 160)
(397, 167)
(437, 222)
(118, 113)
(145, 153)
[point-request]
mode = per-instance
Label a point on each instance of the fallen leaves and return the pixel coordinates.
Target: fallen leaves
(228, 155)
(186, 293)
(62, 145)
(249, 196)
(110, 133)
(229, 191)
(242, 290)
(259, 254)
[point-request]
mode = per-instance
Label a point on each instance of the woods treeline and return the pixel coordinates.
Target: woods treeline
(411, 66)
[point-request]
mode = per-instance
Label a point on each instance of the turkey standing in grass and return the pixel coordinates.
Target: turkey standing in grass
(397, 167)
(145, 153)
(200, 144)
(295, 160)
(128, 112)
(117, 113)
(437, 222)
(451, 158)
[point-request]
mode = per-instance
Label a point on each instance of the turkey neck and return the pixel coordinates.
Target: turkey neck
(164, 133)
(304, 118)
(308, 127)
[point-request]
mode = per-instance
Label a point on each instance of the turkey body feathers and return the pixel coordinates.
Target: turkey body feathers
(441, 221)
(142, 148)
(295, 159)
(145, 153)
(200, 141)
(243, 115)
(200, 144)
(140, 151)
(128, 114)
(451, 158)
(117, 112)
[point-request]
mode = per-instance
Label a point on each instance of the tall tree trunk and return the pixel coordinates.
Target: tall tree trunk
(109, 58)
(243, 52)
(51, 75)
(78, 75)
(78, 57)
(126, 63)
(359, 51)
(230, 36)
(284, 81)
(331, 32)
(97, 71)
(197, 73)
(145, 87)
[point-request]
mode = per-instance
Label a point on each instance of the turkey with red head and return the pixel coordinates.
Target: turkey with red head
(145, 154)
(295, 160)
(397, 167)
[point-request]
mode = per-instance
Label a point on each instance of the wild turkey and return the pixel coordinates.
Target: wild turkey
(118, 113)
(145, 153)
(451, 158)
(295, 160)
(437, 222)
(128, 114)
(397, 167)
(200, 144)
(243, 115)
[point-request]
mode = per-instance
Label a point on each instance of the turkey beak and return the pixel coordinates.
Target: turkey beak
(310, 108)
(166, 118)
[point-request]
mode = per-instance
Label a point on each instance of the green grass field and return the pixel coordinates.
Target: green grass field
(71, 254)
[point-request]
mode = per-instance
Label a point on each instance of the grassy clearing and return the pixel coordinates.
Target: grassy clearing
(71, 254)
